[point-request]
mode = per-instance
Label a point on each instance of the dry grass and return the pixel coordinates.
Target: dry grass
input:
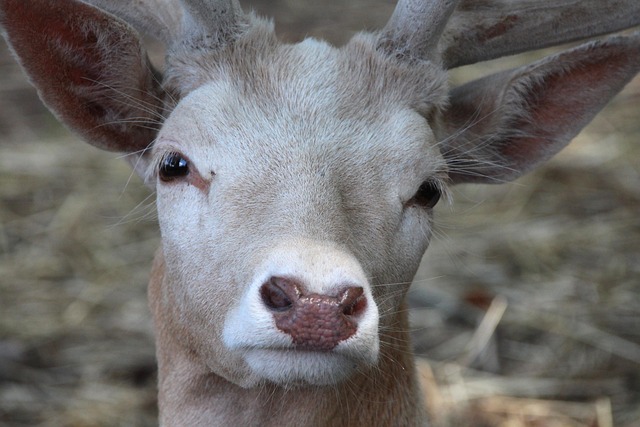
(526, 310)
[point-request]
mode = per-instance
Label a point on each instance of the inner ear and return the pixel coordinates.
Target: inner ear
(504, 125)
(90, 69)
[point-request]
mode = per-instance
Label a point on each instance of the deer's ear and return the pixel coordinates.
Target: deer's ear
(89, 68)
(499, 127)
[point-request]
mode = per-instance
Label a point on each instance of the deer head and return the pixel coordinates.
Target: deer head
(296, 182)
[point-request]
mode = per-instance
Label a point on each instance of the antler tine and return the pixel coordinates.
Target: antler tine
(217, 18)
(157, 18)
(414, 29)
(482, 30)
(213, 20)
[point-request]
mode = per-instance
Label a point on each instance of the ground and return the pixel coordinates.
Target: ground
(526, 310)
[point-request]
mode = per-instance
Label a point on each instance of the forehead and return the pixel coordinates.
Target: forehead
(310, 97)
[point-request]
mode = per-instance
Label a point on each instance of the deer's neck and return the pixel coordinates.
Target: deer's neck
(384, 395)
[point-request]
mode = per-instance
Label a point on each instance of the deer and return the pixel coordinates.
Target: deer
(296, 183)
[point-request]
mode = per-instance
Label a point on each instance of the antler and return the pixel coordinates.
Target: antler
(414, 29)
(215, 21)
(174, 21)
(157, 18)
(482, 30)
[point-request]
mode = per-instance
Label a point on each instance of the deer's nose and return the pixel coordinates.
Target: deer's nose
(314, 321)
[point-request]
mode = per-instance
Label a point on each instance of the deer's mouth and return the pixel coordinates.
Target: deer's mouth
(300, 366)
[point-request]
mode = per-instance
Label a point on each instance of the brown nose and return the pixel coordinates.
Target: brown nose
(314, 321)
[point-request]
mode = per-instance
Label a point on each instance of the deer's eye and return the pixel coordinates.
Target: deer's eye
(427, 195)
(173, 166)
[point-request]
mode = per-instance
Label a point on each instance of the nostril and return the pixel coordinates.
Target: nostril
(314, 321)
(353, 301)
(278, 294)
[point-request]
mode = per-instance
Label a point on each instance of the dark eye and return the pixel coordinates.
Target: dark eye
(173, 166)
(427, 196)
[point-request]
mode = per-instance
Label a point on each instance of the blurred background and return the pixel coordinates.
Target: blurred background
(526, 310)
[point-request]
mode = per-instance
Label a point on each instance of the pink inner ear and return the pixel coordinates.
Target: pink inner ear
(506, 124)
(88, 67)
(560, 105)
(53, 38)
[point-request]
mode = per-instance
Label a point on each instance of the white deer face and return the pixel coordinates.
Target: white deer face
(265, 179)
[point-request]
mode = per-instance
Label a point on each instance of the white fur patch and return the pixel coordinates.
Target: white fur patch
(250, 327)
